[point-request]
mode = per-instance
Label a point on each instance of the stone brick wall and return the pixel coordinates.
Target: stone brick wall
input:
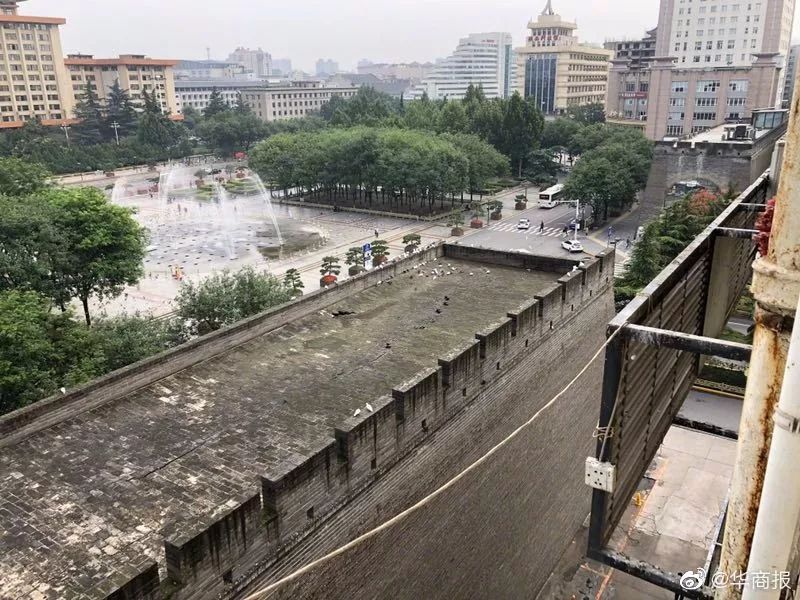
(498, 532)
(721, 164)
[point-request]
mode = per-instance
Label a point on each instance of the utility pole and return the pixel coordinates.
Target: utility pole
(65, 129)
(776, 288)
(115, 126)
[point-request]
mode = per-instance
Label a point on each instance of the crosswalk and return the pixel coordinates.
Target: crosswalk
(534, 230)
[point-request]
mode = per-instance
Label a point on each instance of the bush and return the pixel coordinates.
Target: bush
(225, 298)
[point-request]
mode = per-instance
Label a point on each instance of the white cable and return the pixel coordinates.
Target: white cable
(414, 507)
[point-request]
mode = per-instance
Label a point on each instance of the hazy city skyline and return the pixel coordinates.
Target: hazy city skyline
(397, 31)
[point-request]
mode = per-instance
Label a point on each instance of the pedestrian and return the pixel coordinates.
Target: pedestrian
(541, 226)
(376, 234)
(564, 231)
(627, 243)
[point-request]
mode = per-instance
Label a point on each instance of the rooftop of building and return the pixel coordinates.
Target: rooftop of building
(762, 123)
(121, 60)
(218, 83)
(88, 498)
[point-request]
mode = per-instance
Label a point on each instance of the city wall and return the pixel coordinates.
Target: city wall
(504, 535)
(719, 163)
(496, 534)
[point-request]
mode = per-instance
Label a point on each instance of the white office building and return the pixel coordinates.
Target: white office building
(480, 59)
(726, 33)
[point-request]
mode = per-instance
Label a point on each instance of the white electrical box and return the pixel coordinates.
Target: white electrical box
(600, 475)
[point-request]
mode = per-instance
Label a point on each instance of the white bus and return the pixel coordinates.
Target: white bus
(551, 196)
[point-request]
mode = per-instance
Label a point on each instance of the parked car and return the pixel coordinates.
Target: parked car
(524, 224)
(572, 246)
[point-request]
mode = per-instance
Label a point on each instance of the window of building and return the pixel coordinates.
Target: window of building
(705, 102)
(709, 86)
(737, 101)
(679, 87)
(738, 85)
(704, 116)
(677, 101)
(674, 129)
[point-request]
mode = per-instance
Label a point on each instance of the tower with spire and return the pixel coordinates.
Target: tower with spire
(554, 70)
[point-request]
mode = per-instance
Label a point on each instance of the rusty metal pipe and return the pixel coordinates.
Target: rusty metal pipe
(776, 287)
(779, 509)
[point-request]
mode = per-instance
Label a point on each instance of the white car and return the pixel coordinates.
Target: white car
(572, 246)
(524, 224)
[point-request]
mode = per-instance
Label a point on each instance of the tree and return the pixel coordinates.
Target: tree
(453, 118)
(559, 132)
(541, 163)
(40, 351)
(355, 258)
(366, 107)
(292, 281)
(601, 183)
(587, 114)
(156, 130)
(103, 245)
(421, 114)
(20, 178)
(380, 250)
(225, 298)
(330, 266)
(521, 130)
(230, 131)
(89, 110)
(191, 117)
(241, 107)
(120, 111)
(30, 247)
(411, 241)
(126, 339)
(216, 104)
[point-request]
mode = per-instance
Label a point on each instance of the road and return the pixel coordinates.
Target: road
(504, 235)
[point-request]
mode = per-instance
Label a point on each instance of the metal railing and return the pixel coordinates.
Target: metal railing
(652, 363)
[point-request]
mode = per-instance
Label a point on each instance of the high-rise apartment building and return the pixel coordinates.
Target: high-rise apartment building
(135, 73)
(326, 67)
(282, 67)
(629, 79)
(704, 33)
(791, 75)
(480, 59)
(257, 62)
(556, 70)
(33, 80)
(715, 61)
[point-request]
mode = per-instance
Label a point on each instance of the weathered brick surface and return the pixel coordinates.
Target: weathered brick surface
(497, 533)
(88, 500)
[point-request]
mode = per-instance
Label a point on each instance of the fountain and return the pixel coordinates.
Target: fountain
(119, 190)
(265, 195)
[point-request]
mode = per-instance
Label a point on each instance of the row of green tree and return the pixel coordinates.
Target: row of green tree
(399, 169)
(109, 135)
(513, 125)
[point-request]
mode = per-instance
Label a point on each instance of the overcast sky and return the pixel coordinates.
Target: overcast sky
(305, 30)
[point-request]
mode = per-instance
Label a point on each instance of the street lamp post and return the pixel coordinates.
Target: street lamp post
(115, 126)
(65, 129)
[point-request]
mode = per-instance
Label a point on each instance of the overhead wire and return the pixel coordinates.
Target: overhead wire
(261, 593)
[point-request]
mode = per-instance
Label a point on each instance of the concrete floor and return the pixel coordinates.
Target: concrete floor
(682, 501)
